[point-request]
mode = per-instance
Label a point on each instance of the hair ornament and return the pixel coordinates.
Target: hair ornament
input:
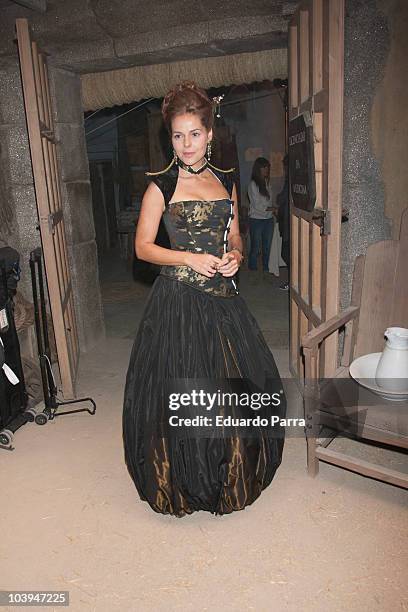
(217, 103)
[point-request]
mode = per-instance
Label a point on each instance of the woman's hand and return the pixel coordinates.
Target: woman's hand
(203, 264)
(230, 263)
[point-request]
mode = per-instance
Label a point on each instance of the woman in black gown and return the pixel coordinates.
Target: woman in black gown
(195, 328)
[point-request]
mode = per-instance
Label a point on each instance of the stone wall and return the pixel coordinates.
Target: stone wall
(18, 211)
(367, 46)
(77, 203)
(389, 121)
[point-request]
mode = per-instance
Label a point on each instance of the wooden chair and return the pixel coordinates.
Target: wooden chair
(379, 300)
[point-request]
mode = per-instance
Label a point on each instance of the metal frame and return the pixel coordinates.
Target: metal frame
(44, 352)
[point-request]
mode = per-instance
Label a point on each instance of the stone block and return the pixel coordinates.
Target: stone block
(9, 12)
(7, 217)
(71, 152)
(237, 28)
(365, 226)
(11, 92)
(77, 199)
(158, 17)
(15, 154)
(150, 17)
(85, 55)
(87, 295)
(176, 36)
(65, 88)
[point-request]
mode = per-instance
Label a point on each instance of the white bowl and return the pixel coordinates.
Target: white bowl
(363, 371)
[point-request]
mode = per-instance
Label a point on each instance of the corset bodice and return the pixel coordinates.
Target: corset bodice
(200, 227)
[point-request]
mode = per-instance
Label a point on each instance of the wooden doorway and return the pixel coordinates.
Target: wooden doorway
(47, 184)
(316, 49)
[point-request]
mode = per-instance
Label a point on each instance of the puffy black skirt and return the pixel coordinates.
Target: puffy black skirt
(186, 334)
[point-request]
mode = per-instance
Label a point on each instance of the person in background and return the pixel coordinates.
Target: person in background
(282, 202)
(261, 215)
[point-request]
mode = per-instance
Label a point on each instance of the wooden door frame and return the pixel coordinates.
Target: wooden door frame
(48, 192)
(316, 84)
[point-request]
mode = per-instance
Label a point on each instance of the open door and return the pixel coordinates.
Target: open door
(47, 184)
(316, 49)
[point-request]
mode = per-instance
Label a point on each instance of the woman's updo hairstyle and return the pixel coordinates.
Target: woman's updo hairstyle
(187, 97)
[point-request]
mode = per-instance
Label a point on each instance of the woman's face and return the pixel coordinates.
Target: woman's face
(190, 138)
(265, 171)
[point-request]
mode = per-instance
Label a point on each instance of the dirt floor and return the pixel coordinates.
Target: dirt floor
(72, 520)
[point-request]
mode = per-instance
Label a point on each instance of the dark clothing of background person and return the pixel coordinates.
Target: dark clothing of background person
(282, 201)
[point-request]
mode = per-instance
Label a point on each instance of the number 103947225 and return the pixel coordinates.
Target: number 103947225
(34, 598)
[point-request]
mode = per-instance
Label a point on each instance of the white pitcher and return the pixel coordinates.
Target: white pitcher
(392, 369)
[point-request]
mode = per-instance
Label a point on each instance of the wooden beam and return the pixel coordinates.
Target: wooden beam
(325, 329)
(35, 5)
(304, 307)
(363, 467)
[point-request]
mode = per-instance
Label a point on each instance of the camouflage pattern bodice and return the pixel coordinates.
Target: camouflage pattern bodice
(200, 227)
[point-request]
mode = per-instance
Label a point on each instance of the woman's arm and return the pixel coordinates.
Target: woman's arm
(146, 232)
(234, 237)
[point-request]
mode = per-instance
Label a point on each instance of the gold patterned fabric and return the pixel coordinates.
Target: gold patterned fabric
(200, 227)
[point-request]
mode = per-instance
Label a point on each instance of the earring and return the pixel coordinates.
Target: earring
(175, 158)
(209, 149)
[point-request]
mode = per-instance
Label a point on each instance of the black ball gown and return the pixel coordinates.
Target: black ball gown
(194, 327)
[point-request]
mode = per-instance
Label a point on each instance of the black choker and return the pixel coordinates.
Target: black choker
(190, 169)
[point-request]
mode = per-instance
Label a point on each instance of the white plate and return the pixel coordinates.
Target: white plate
(363, 370)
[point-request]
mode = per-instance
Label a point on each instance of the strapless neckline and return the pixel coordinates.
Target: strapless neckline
(201, 201)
